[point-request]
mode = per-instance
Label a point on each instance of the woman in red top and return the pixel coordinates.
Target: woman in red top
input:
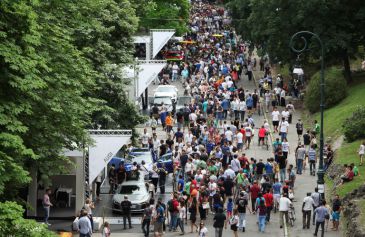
(262, 134)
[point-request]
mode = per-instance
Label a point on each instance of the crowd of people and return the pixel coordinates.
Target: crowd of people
(210, 136)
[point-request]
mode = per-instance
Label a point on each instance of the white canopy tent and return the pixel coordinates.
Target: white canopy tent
(106, 143)
(159, 39)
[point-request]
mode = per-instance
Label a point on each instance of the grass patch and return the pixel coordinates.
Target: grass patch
(283, 70)
(347, 154)
(335, 116)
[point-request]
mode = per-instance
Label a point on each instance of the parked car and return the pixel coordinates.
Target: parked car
(166, 91)
(139, 155)
(137, 192)
(169, 103)
(166, 160)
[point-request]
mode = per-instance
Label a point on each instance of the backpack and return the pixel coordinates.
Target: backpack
(242, 203)
(170, 206)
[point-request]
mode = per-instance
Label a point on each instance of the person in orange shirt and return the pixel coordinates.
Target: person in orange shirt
(169, 122)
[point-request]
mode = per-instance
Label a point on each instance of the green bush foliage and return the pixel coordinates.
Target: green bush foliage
(335, 90)
(354, 125)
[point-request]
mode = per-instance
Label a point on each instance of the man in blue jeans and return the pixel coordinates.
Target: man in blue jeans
(312, 157)
(46, 205)
(172, 207)
(322, 214)
(300, 156)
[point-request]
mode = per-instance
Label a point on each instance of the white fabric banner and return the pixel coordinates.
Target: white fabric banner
(104, 148)
(159, 39)
(147, 72)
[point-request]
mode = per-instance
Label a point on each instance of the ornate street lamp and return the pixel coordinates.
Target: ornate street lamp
(301, 34)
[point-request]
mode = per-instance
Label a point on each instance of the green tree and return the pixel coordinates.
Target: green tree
(58, 78)
(172, 14)
(335, 90)
(13, 224)
(270, 23)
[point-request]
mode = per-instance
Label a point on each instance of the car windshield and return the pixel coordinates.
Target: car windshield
(165, 89)
(165, 100)
(140, 156)
(131, 189)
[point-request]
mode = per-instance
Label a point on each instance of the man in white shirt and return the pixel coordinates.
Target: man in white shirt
(189, 167)
(189, 137)
(145, 137)
(285, 114)
(193, 117)
(306, 209)
(235, 164)
(248, 132)
(239, 137)
(242, 108)
(275, 119)
(228, 134)
(175, 72)
(229, 172)
(284, 127)
(284, 206)
(362, 151)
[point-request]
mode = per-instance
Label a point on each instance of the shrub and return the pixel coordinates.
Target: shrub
(354, 125)
(335, 90)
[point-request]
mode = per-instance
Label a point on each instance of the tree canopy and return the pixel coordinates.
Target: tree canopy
(163, 14)
(13, 224)
(60, 74)
(271, 23)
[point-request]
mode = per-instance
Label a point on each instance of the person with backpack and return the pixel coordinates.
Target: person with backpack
(146, 219)
(219, 222)
(126, 209)
(261, 210)
(159, 219)
(241, 205)
(172, 207)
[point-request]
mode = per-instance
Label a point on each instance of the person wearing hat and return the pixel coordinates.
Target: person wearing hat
(126, 208)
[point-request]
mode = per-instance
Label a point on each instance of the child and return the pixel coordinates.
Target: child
(106, 230)
(355, 169)
(229, 208)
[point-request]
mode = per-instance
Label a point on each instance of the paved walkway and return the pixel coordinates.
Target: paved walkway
(304, 183)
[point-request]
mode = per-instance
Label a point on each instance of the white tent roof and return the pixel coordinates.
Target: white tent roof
(159, 39)
(147, 72)
(106, 144)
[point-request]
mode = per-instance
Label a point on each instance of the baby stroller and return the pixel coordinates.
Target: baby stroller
(291, 215)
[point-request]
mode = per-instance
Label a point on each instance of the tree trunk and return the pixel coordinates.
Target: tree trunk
(346, 64)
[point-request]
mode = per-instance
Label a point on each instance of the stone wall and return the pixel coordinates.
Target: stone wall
(351, 213)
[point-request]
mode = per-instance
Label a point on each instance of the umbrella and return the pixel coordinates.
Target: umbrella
(218, 35)
(187, 42)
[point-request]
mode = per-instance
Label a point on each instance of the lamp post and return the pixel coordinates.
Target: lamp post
(301, 34)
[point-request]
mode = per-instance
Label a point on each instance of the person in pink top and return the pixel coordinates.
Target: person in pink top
(46, 205)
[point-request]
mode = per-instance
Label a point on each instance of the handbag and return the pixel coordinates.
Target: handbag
(205, 205)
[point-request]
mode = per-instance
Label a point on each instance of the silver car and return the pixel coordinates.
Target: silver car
(137, 193)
